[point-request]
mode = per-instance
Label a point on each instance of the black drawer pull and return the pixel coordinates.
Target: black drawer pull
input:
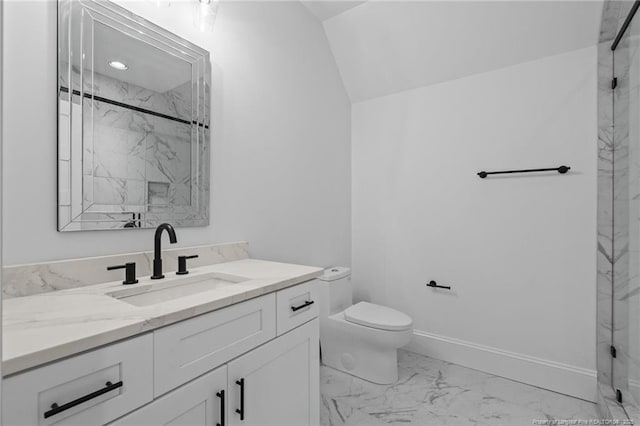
(304, 305)
(221, 396)
(55, 408)
(241, 409)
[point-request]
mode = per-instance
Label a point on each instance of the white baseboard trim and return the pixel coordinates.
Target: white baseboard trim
(563, 378)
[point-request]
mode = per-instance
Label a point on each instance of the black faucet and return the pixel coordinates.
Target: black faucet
(157, 259)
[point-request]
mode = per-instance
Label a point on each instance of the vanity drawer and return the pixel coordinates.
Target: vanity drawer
(187, 349)
(296, 305)
(28, 397)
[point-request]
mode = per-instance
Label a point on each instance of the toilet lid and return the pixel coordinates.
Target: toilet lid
(376, 316)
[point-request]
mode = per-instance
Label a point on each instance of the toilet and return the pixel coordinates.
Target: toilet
(361, 339)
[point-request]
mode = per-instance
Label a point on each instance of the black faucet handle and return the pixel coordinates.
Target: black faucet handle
(130, 272)
(182, 264)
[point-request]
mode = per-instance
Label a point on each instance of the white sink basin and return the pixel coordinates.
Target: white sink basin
(174, 288)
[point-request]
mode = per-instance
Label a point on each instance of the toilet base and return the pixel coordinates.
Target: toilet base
(368, 353)
(380, 367)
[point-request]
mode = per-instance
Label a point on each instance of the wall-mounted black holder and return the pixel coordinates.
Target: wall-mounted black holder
(434, 284)
(562, 170)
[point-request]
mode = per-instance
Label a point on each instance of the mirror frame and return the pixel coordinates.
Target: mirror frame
(75, 213)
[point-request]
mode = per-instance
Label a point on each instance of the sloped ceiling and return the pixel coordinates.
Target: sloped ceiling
(325, 9)
(384, 47)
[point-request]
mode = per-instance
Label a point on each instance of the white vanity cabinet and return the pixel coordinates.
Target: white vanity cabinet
(251, 363)
(277, 384)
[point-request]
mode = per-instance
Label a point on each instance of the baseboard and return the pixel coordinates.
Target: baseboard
(563, 378)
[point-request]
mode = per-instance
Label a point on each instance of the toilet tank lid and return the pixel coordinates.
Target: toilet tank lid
(335, 273)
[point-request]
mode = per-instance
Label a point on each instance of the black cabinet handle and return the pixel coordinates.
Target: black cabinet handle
(304, 305)
(221, 396)
(182, 264)
(130, 272)
(435, 285)
(55, 408)
(241, 409)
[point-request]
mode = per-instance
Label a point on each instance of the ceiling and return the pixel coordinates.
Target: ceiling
(325, 9)
(149, 66)
(384, 47)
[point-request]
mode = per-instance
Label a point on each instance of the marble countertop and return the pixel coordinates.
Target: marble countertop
(46, 327)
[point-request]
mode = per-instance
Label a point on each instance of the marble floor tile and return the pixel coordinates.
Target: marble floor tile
(434, 392)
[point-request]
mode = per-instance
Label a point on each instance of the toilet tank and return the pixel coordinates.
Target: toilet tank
(335, 290)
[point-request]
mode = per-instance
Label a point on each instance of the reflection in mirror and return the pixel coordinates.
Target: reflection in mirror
(133, 122)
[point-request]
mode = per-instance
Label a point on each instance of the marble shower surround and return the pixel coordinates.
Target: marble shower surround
(126, 153)
(129, 149)
(605, 259)
(616, 250)
(27, 280)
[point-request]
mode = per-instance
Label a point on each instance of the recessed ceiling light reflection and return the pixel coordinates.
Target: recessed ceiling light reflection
(120, 66)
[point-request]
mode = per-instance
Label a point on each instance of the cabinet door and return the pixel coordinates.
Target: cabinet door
(277, 383)
(201, 402)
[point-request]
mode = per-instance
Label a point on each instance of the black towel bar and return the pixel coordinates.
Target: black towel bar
(561, 170)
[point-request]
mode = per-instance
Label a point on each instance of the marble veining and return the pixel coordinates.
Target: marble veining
(125, 149)
(605, 256)
(45, 327)
(435, 392)
(618, 256)
(36, 278)
(125, 152)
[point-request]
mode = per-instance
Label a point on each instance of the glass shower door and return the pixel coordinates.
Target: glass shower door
(626, 219)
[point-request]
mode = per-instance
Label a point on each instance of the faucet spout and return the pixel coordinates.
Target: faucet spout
(157, 252)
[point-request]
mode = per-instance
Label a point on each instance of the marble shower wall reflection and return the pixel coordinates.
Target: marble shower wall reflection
(133, 158)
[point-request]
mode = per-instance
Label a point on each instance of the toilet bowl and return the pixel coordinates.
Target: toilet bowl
(361, 339)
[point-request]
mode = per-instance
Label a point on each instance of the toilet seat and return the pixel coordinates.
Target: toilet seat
(376, 316)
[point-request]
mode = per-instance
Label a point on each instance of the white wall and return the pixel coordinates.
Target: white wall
(519, 251)
(281, 129)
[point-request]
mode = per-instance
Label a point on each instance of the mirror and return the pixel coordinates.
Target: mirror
(133, 122)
